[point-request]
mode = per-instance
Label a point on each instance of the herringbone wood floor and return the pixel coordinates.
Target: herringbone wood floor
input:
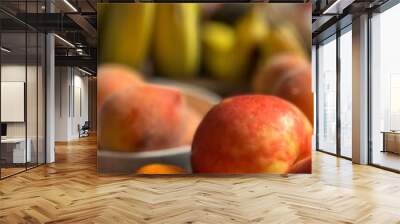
(70, 191)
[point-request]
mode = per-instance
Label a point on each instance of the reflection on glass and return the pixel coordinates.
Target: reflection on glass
(22, 92)
(41, 99)
(346, 94)
(385, 89)
(327, 96)
(15, 151)
(31, 101)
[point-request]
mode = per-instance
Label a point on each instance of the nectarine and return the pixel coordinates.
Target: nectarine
(295, 87)
(250, 134)
(113, 77)
(140, 118)
(287, 76)
(192, 121)
(273, 69)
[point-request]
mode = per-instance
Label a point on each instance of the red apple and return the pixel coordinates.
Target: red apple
(251, 134)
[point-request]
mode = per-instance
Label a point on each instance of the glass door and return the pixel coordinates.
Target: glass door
(385, 89)
(22, 90)
(15, 152)
(326, 136)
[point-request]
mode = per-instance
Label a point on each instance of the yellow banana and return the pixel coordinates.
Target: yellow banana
(125, 35)
(229, 50)
(282, 39)
(252, 29)
(219, 51)
(176, 40)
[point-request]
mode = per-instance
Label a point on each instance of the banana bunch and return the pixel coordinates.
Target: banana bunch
(252, 29)
(176, 40)
(228, 49)
(125, 33)
(220, 59)
(283, 38)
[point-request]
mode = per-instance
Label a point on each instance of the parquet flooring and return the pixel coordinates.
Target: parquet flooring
(70, 191)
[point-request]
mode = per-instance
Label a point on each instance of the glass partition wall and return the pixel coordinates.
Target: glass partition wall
(22, 89)
(326, 135)
(334, 94)
(385, 89)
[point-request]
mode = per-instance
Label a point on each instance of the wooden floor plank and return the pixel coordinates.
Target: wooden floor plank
(71, 191)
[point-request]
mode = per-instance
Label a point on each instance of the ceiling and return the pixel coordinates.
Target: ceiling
(76, 22)
(331, 15)
(72, 20)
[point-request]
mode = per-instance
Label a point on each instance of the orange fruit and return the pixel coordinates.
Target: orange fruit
(157, 168)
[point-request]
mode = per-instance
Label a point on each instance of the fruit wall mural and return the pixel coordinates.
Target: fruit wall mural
(204, 88)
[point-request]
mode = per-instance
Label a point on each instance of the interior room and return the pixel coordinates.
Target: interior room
(49, 158)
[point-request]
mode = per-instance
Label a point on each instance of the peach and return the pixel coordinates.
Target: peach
(287, 76)
(273, 69)
(295, 87)
(113, 77)
(250, 134)
(140, 118)
(192, 121)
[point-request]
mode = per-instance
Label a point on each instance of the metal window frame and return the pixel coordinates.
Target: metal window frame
(381, 9)
(44, 74)
(339, 32)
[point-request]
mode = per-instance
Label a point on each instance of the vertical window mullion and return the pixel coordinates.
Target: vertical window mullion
(316, 97)
(26, 87)
(338, 80)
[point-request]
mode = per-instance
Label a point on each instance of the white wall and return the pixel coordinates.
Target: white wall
(33, 127)
(16, 73)
(62, 81)
(71, 94)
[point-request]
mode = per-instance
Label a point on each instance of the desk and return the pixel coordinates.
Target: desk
(13, 150)
(391, 141)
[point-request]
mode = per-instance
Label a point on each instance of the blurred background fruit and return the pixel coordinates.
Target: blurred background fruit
(125, 33)
(160, 169)
(142, 118)
(192, 121)
(113, 77)
(229, 50)
(295, 87)
(252, 28)
(287, 76)
(220, 60)
(283, 38)
(177, 40)
(214, 45)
